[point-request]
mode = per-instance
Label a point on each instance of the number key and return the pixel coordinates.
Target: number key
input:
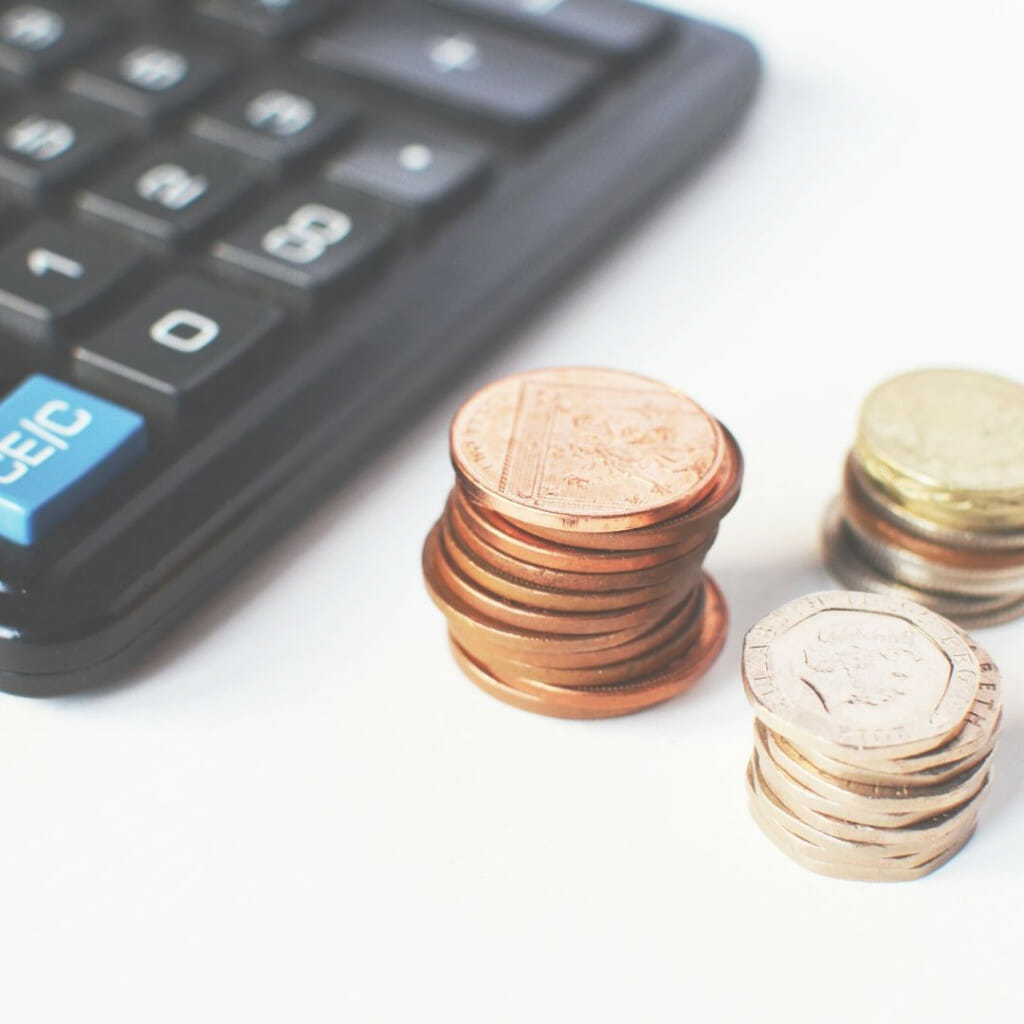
(312, 239)
(275, 120)
(168, 195)
(175, 351)
(39, 38)
(47, 144)
(150, 78)
(52, 274)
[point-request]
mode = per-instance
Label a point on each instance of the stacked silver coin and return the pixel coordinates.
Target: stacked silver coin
(876, 724)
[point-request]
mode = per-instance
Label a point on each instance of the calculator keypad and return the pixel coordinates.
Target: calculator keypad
(174, 351)
(170, 194)
(52, 274)
(276, 120)
(310, 240)
(484, 74)
(150, 77)
(423, 175)
(48, 143)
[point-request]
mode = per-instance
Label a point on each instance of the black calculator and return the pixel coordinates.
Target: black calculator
(243, 241)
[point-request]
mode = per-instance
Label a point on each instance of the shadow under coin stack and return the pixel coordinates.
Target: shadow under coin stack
(876, 721)
(568, 561)
(932, 506)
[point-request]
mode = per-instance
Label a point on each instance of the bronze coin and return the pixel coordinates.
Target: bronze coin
(498, 609)
(698, 521)
(466, 618)
(511, 539)
(605, 702)
(541, 654)
(520, 674)
(546, 598)
(593, 450)
(563, 578)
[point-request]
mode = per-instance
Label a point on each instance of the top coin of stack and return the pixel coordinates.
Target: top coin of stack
(932, 506)
(568, 561)
(876, 722)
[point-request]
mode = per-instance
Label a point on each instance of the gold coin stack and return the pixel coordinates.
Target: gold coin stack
(932, 506)
(876, 722)
(568, 561)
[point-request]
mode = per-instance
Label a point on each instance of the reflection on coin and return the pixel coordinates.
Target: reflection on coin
(585, 449)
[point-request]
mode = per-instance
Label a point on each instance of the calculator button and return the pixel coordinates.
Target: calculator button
(150, 78)
(420, 173)
(275, 120)
(475, 70)
(168, 195)
(314, 238)
(52, 273)
(48, 143)
(58, 447)
(39, 38)
(616, 28)
(267, 19)
(176, 349)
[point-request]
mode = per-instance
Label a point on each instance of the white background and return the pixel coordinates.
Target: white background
(300, 811)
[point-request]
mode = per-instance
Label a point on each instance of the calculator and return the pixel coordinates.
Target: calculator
(243, 242)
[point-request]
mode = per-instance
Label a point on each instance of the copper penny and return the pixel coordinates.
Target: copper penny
(605, 702)
(516, 542)
(614, 673)
(585, 449)
(579, 578)
(466, 618)
(533, 595)
(700, 520)
(540, 620)
(541, 654)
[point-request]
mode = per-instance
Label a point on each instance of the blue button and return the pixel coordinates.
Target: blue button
(58, 446)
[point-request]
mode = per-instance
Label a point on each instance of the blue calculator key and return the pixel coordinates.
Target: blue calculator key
(58, 447)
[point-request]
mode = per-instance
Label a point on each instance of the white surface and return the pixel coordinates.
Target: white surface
(300, 811)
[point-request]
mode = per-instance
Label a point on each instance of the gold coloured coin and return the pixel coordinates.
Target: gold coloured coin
(949, 445)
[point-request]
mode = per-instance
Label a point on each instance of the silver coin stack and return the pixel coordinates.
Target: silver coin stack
(876, 723)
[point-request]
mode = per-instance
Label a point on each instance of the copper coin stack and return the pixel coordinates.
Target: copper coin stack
(876, 722)
(932, 505)
(568, 561)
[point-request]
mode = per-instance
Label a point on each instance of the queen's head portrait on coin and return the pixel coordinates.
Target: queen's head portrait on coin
(861, 674)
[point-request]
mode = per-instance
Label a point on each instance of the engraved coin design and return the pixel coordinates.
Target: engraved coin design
(864, 675)
(584, 449)
(949, 443)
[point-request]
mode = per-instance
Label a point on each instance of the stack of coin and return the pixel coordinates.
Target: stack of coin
(876, 722)
(568, 561)
(932, 506)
